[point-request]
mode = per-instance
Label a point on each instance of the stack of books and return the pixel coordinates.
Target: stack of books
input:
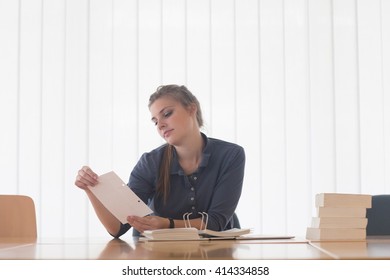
(339, 217)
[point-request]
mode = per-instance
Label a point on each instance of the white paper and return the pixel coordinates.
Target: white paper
(118, 198)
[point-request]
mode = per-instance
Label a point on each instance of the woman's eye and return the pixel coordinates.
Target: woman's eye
(167, 114)
(164, 115)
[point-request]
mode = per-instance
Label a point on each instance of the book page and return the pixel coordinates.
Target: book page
(118, 198)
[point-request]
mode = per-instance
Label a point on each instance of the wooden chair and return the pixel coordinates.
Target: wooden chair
(17, 217)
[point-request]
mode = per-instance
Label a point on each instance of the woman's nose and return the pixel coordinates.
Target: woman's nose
(161, 125)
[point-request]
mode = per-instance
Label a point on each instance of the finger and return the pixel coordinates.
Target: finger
(89, 178)
(144, 223)
(139, 223)
(136, 225)
(83, 182)
(85, 179)
(136, 220)
(89, 171)
(80, 184)
(142, 228)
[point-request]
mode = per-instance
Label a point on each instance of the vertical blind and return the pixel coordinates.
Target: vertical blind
(302, 85)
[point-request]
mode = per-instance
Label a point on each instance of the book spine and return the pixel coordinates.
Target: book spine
(335, 234)
(337, 222)
(342, 200)
(341, 212)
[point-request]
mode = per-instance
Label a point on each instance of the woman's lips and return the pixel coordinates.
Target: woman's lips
(167, 133)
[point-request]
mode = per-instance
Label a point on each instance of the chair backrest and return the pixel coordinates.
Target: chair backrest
(17, 217)
(379, 215)
(236, 221)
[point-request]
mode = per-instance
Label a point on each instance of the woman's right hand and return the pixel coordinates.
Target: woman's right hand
(86, 177)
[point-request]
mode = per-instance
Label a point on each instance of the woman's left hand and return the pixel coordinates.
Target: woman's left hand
(148, 223)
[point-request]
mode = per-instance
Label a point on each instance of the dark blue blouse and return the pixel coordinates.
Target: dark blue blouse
(214, 188)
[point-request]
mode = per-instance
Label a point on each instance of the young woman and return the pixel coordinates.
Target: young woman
(191, 173)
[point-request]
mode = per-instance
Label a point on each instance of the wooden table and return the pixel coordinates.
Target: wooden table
(281, 258)
(374, 247)
(117, 249)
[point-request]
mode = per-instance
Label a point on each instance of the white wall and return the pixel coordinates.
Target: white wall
(303, 85)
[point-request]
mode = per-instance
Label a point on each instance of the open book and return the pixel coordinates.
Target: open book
(190, 233)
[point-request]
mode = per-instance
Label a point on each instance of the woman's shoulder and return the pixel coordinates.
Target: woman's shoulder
(224, 151)
(219, 144)
(225, 154)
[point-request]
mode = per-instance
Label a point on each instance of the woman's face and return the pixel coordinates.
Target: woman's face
(174, 122)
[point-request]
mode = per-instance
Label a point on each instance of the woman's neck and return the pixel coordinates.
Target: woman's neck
(190, 154)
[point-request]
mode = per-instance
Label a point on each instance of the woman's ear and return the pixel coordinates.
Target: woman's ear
(192, 109)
